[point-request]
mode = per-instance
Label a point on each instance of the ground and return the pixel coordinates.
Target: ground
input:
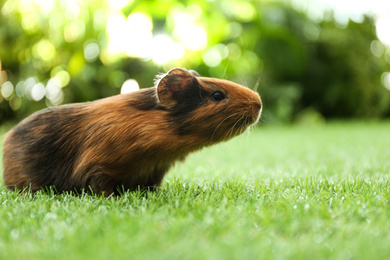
(285, 192)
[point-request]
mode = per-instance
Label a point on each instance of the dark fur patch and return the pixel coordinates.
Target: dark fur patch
(145, 99)
(50, 152)
(187, 127)
(192, 98)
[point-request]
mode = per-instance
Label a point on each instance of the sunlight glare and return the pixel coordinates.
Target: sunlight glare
(116, 28)
(382, 29)
(45, 6)
(118, 4)
(129, 86)
(192, 36)
(164, 49)
(139, 35)
(72, 11)
(132, 35)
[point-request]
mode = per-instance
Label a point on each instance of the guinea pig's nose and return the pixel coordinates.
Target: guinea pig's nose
(257, 104)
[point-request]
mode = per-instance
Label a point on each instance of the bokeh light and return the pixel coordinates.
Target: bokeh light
(118, 4)
(214, 56)
(383, 29)
(98, 48)
(350, 10)
(164, 49)
(19, 89)
(7, 89)
(37, 91)
(91, 51)
(44, 50)
(386, 80)
(53, 91)
(28, 85)
(192, 36)
(74, 30)
(130, 85)
(64, 77)
(377, 48)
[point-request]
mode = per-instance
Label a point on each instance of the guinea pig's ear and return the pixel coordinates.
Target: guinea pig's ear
(170, 84)
(195, 73)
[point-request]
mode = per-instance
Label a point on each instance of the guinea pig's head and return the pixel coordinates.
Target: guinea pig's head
(212, 109)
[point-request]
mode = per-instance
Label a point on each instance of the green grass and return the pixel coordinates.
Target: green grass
(291, 192)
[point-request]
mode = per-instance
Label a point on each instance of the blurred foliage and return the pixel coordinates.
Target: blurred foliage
(55, 52)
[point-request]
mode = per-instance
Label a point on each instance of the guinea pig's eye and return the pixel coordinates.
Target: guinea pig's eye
(217, 96)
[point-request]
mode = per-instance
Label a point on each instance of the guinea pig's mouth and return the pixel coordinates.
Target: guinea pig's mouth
(235, 124)
(251, 119)
(257, 118)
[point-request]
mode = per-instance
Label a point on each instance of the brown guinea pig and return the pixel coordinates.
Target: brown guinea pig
(128, 141)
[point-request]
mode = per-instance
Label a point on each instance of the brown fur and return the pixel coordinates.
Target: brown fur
(126, 141)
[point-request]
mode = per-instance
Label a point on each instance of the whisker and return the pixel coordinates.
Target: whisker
(230, 132)
(227, 108)
(227, 134)
(242, 81)
(262, 120)
(246, 123)
(227, 65)
(242, 130)
(257, 84)
(244, 126)
(212, 136)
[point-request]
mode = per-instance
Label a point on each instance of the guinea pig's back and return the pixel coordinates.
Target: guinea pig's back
(37, 148)
(79, 145)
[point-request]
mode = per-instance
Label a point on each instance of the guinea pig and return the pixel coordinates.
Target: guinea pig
(127, 141)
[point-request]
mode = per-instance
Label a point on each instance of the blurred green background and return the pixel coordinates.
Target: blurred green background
(310, 63)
